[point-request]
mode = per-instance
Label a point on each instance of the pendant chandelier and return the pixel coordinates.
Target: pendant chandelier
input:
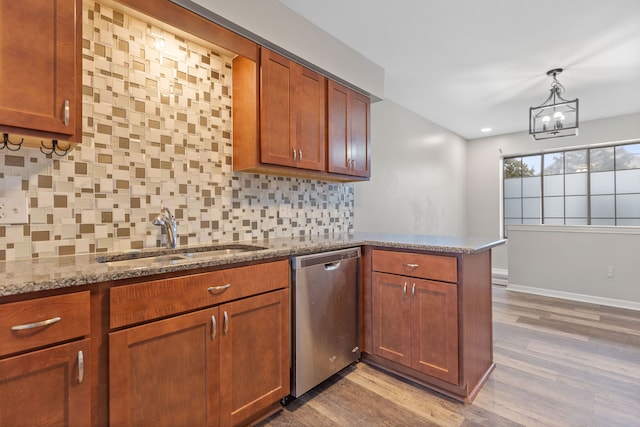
(555, 117)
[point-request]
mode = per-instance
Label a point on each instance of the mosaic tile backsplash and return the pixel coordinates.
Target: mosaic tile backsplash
(157, 113)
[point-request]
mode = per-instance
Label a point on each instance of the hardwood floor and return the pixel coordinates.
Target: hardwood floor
(559, 363)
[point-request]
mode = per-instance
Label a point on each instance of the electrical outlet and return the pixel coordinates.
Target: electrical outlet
(14, 210)
(610, 272)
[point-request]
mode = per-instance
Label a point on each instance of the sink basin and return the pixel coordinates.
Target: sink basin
(156, 258)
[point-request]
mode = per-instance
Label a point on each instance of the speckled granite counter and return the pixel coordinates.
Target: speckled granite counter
(31, 275)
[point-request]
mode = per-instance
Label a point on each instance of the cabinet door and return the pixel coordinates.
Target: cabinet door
(38, 65)
(337, 122)
(348, 124)
(434, 318)
(359, 108)
(254, 355)
(309, 108)
(47, 387)
(276, 122)
(165, 373)
(391, 314)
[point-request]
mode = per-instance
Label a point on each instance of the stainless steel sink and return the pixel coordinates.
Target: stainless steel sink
(156, 258)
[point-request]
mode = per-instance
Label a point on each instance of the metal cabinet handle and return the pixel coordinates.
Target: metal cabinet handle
(216, 289)
(413, 290)
(214, 328)
(67, 112)
(353, 164)
(80, 367)
(36, 324)
(300, 155)
(226, 322)
(412, 265)
(404, 289)
(294, 155)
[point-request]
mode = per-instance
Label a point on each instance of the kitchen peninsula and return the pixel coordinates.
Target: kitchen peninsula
(425, 315)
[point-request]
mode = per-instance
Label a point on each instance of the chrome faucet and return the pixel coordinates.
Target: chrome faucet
(168, 221)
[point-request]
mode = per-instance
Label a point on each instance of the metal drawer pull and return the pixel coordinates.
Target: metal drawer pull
(214, 289)
(36, 324)
(413, 290)
(300, 156)
(66, 112)
(214, 328)
(412, 265)
(80, 367)
(226, 322)
(294, 155)
(404, 289)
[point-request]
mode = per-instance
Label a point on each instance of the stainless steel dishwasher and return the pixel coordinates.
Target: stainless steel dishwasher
(324, 307)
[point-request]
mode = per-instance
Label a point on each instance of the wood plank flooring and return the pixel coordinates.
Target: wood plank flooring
(559, 363)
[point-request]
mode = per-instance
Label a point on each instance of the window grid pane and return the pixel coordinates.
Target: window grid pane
(628, 156)
(597, 186)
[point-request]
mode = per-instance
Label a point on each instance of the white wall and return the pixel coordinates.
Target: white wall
(593, 264)
(484, 157)
(417, 176)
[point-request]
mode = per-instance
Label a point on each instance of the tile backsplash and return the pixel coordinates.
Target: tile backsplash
(157, 121)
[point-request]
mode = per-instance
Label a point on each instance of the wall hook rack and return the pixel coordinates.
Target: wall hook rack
(10, 145)
(55, 148)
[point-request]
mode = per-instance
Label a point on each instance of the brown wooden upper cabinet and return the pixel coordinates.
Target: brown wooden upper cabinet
(40, 68)
(348, 131)
(292, 113)
(286, 118)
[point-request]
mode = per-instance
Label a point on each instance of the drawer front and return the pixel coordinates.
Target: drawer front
(43, 321)
(140, 302)
(434, 267)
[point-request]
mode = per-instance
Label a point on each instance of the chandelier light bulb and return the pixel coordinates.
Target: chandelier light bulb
(559, 119)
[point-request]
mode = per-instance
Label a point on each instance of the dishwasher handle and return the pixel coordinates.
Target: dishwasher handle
(332, 265)
(330, 260)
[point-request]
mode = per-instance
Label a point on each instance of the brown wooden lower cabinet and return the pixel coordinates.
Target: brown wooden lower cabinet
(49, 387)
(254, 356)
(427, 317)
(218, 366)
(166, 373)
(416, 324)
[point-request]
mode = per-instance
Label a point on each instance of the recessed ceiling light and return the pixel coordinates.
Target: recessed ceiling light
(486, 130)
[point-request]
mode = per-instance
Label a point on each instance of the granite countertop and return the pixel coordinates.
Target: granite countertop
(38, 274)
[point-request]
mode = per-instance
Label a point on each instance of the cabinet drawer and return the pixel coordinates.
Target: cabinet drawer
(43, 321)
(158, 298)
(434, 267)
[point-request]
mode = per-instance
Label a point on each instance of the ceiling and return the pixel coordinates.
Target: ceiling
(471, 64)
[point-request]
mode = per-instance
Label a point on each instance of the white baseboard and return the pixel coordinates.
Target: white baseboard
(500, 276)
(629, 305)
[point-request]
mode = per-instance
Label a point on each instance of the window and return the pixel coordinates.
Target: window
(591, 186)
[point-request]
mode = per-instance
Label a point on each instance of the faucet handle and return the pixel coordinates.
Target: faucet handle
(168, 212)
